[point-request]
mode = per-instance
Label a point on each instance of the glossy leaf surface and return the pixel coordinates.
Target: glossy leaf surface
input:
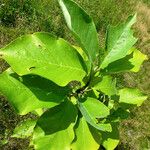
(111, 140)
(132, 96)
(107, 85)
(84, 56)
(45, 55)
(92, 110)
(119, 40)
(84, 140)
(83, 27)
(54, 129)
(30, 92)
(137, 60)
(131, 62)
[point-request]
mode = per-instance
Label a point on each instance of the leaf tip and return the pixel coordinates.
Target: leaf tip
(66, 13)
(133, 18)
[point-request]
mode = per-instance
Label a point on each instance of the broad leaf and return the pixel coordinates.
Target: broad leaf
(56, 141)
(25, 129)
(132, 96)
(111, 140)
(107, 85)
(84, 56)
(45, 55)
(84, 139)
(92, 110)
(38, 112)
(131, 62)
(118, 115)
(81, 52)
(30, 92)
(54, 129)
(137, 60)
(83, 27)
(119, 40)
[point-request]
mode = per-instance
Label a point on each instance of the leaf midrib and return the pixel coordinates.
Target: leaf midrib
(53, 64)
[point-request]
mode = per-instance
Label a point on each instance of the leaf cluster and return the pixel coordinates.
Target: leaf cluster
(71, 88)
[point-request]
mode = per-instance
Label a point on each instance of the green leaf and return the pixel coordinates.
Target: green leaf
(107, 85)
(111, 139)
(137, 60)
(54, 130)
(92, 110)
(45, 55)
(119, 41)
(30, 92)
(131, 62)
(132, 96)
(84, 56)
(25, 129)
(81, 52)
(118, 115)
(83, 27)
(38, 112)
(84, 139)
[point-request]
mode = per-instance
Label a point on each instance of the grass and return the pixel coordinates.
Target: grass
(46, 16)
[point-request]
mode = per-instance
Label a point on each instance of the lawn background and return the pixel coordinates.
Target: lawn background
(18, 17)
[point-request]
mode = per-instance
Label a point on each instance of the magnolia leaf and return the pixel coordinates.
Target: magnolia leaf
(58, 118)
(119, 115)
(81, 52)
(119, 41)
(38, 112)
(131, 62)
(84, 56)
(107, 85)
(111, 139)
(111, 103)
(45, 55)
(54, 130)
(132, 96)
(84, 140)
(30, 92)
(137, 60)
(83, 27)
(92, 110)
(56, 141)
(25, 129)
(96, 93)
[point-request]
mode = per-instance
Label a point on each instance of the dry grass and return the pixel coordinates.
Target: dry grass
(142, 79)
(135, 132)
